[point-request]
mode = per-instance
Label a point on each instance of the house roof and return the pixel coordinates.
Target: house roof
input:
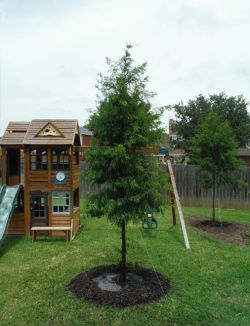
(30, 133)
(85, 131)
(243, 152)
(177, 152)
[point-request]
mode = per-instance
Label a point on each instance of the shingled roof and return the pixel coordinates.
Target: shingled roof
(244, 152)
(85, 131)
(14, 133)
(34, 132)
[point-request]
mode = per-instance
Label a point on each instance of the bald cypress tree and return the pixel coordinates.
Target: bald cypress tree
(123, 122)
(215, 151)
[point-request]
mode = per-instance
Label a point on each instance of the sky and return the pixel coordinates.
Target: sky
(51, 52)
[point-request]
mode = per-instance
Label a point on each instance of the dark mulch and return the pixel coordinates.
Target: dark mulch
(142, 286)
(226, 232)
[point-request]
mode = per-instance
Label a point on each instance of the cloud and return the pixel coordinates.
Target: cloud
(52, 51)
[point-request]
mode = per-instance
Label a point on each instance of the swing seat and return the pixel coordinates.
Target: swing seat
(149, 222)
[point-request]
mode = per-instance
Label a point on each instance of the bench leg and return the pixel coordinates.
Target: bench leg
(33, 236)
(67, 235)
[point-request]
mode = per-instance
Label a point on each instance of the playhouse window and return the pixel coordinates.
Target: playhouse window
(61, 202)
(60, 159)
(38, 159)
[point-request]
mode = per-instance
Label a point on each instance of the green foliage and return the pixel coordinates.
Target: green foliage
(123, 122)
(231, 108)
(214, 150)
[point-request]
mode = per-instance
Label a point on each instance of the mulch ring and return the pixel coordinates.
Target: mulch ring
(225, 232)
(101, 286)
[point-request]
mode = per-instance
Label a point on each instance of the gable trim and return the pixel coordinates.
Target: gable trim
(49, 130)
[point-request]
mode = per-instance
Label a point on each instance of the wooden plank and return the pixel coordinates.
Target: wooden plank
(71, 231)
(27, 191)
(52, 228)
(4, 165)
(177, 200)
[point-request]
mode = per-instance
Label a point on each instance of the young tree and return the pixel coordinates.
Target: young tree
(124, 122)
(231, 108)
(214, 150)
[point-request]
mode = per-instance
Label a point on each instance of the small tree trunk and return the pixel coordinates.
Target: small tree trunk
(213, 194)
(172, 200)
(173, 207)
(123, 252)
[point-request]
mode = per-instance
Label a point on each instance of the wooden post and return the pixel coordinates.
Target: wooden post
(33, 232)
(71, 185)
(177, 200)
(4, 165)
(27, 190)
(172, 201)
(50, 188)
(71, 230)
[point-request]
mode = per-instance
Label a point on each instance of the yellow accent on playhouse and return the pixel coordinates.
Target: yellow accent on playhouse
(49, 130)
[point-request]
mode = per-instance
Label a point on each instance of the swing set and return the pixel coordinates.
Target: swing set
(149, 221)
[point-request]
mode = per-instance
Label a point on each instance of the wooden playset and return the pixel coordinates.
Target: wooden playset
(41, 156)
(39, 180)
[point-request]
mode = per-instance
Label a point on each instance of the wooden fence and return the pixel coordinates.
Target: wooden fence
(193, 194)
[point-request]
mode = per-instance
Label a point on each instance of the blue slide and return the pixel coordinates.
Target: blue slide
(8, 197)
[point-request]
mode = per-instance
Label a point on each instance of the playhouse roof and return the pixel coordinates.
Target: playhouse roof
(41, 132)
(14, 133)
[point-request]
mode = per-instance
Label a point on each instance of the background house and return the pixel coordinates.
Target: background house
(85, 136)
(244, 154)
(179, 155)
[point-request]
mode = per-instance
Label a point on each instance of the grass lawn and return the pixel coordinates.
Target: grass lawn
(210, 282)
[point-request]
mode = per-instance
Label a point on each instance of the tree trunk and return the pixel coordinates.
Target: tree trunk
(173, 207)
(123, 252)
(172, 200)
(213, 213)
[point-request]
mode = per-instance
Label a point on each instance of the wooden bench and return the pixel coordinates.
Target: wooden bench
(65, 229)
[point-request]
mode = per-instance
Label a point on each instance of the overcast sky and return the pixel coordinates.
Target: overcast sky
(52, 50)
